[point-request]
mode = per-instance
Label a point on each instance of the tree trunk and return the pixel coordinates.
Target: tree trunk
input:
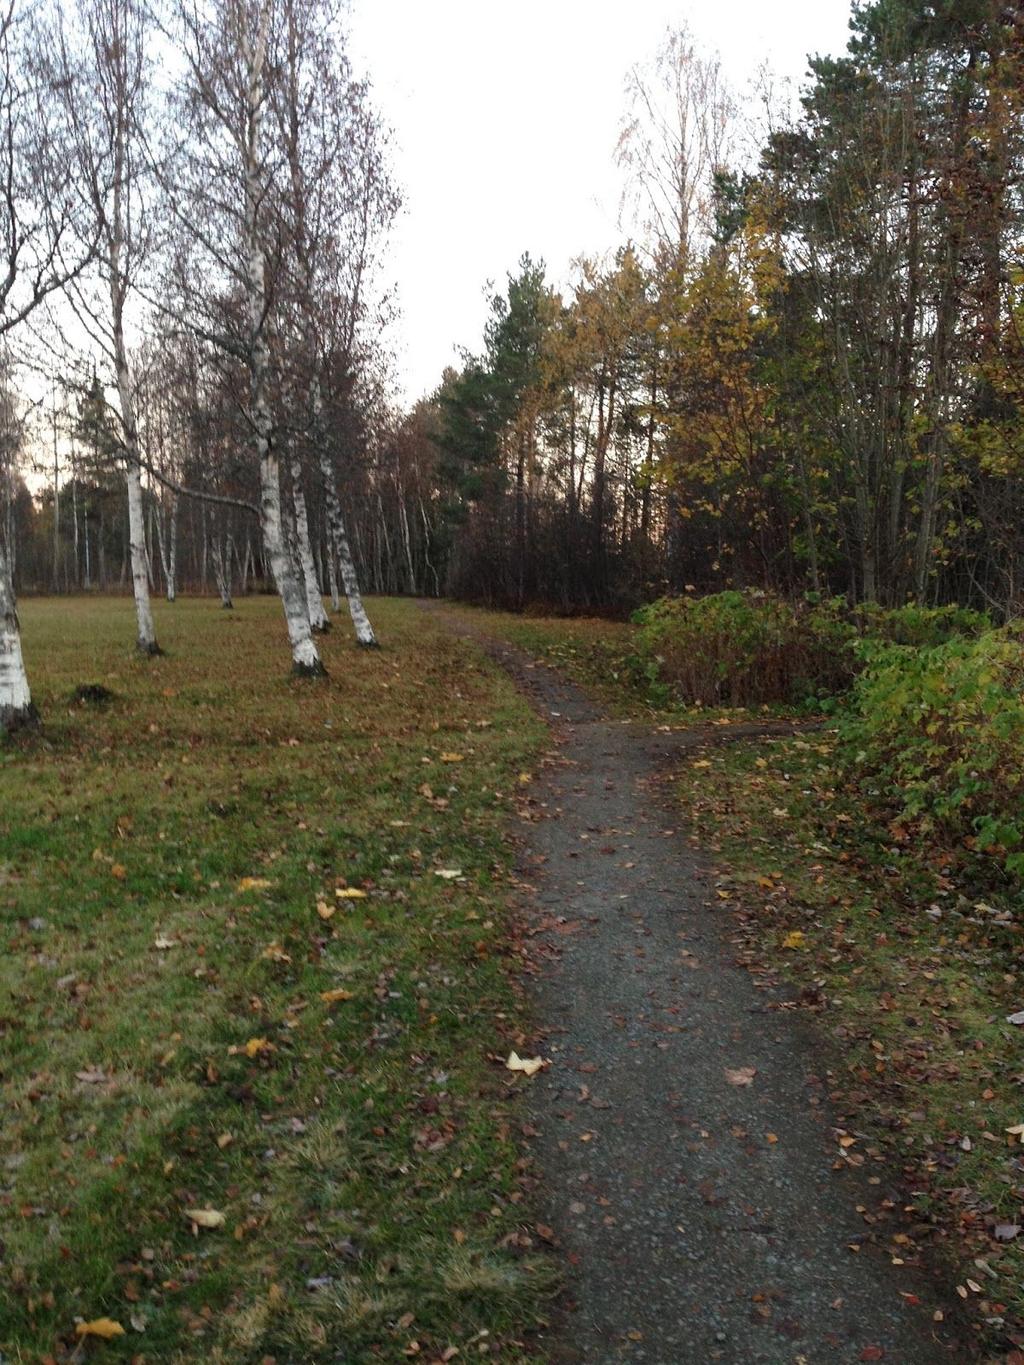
(336, 523)
(16, 709)
(222, 572)
(305, 656)
(318, 618)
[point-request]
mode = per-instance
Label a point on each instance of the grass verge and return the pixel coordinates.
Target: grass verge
(194, 1020)
(911, 956)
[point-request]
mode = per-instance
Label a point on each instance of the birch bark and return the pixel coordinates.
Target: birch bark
(305, 656)
(340, 547)
(318, 618)
(16, 709)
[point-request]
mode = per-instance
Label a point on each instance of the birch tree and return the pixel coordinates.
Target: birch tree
(40, 251)
(106, 109)
(222, 182)
(336, 202)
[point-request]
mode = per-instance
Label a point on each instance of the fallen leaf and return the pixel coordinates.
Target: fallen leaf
(162, 942)
(253, 884)
(105, 1328)
(332, 997)
(794, 939)
(1017, 1018)
(93, 1075)
(740, 1075)
(252, 1048)
(452, 758)
(324, 910)
(205, 1218)
(529, 1066)
(350, 893)
(224, 1140)
(448, 873)
(273, 952)
(119, 871)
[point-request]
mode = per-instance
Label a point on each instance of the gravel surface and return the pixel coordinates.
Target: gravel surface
(701, 1220)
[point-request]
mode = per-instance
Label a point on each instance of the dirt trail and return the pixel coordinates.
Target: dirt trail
(691, 1235)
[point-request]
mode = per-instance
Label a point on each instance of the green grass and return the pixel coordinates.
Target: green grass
(365, 1156)
(897, 948)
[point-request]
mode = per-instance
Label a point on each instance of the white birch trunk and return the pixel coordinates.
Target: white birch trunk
(318, 618)
(332, 576)
(222, 571)
(172, 553)
(146, 638)
(339, 540)
(364, 631)
(166, 541)
(305, 656)
(16, 709)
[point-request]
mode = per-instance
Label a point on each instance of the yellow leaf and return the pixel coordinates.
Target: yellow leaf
(253, 1047)
(106, 1328)
(205, 1218)
(324, 910)
(224, 1140)
(119, 871)
(794, 939)
(452, 758)
(275, 953)
(253, 884)
(529, 1066)
(350, 893)
(332, 997)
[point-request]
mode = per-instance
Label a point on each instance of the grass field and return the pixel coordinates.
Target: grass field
(194, 1021)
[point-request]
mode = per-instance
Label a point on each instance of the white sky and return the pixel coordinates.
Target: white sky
(505, 115)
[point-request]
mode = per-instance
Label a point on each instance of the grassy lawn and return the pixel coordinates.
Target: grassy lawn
(194, 1020)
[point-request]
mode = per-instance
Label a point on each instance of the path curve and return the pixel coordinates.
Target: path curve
(691, 1236)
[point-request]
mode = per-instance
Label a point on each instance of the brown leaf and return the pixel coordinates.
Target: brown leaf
(740, 1075)
(204, 1218)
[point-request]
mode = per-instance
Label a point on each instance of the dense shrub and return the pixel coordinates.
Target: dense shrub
(741, 649)
(939, 734)
(747, 648)
(925, 626)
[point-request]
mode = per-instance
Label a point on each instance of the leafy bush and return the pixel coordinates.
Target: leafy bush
(939, 733)
(747, 648)
(926, 626)
(741, 649)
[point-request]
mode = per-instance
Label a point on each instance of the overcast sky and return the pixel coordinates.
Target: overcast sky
(505, 114)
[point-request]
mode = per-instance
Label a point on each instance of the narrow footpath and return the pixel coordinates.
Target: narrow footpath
(683, 1127)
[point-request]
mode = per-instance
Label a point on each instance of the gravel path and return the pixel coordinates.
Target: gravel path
(702, 1220)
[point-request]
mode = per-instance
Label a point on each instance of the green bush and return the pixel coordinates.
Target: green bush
(939, 734)
(749, 648)
(926, 626)
(742, 649)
